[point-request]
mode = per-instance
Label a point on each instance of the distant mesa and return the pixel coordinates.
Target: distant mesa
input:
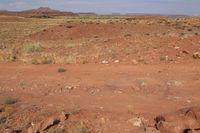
(40, 12)
(46, 12)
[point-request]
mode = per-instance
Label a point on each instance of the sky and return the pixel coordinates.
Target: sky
(186, 7)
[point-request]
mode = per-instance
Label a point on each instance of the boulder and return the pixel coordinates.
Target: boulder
(48, 123)
(182, 121)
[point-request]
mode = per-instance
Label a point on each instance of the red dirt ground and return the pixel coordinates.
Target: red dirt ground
(106, 96)
(111, 97)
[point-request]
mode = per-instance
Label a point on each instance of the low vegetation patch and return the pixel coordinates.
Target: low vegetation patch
(47, 60)
(9, 100)
(32, 47)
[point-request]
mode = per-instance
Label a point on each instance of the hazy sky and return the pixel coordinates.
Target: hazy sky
(191, 7)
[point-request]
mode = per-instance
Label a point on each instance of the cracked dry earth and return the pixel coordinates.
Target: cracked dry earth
(99, 98)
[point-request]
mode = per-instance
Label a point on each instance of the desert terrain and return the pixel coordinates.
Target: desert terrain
(97, 74)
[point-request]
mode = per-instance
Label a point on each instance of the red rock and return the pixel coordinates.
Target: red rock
(181, 121)
(46, 124)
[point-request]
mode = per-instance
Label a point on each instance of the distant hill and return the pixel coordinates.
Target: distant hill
(40, 12)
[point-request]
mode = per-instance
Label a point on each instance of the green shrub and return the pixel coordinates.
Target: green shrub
(32, 47)
(9, 100)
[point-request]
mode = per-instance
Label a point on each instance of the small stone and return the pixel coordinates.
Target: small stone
(136, 121)
(103, 120)
(63, 116)
(188, 101)
(116, 61)
(135, 62)
(69, 87)
(185, 52)
(118, 92)
(164, 58)
(174, 83)
(176, 47)
(134, 88)
(196, 55)
(104, 62)
(150, 130)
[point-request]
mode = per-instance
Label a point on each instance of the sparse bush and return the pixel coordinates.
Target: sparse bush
(84, 62)
(35, 62)
(9, 100)
(11, 57)
(32, 47)
(47, 61)
(60, 70)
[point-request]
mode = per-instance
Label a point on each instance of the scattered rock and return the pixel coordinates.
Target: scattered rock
(116, 61)
(13, 131)
(196, 55)
(136, 121)
(182, 121)
(135, 88)
(63, 116)
(42, 126)
(135, 62)
(142, 83)
(46, 124)
(174, 83)
(176, 47)
(188, 101)
(118, 92)
(164, 58)
(69, 88)
(150, 130)
(185, 52)
(104, 62)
